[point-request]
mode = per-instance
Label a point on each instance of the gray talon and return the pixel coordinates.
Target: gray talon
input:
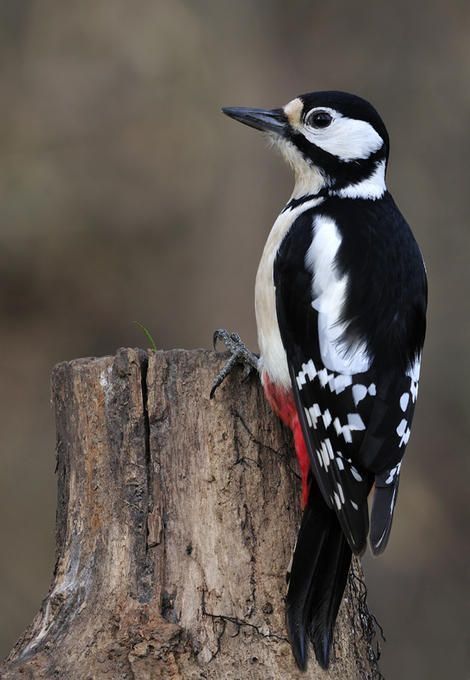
(240, 355)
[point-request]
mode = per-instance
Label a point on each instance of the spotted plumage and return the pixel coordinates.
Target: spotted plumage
(348, 351)
(340, 304)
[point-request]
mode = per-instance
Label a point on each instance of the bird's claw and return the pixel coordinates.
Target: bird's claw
(240, 355)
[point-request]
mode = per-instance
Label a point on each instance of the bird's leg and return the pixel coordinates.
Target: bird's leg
(240, 355)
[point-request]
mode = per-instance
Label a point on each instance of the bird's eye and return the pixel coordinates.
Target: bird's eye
(319, 119)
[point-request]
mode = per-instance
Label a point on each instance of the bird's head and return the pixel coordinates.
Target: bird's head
(332, 140)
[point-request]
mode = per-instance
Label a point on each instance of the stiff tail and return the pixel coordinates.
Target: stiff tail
(385, 498)
(320, 568)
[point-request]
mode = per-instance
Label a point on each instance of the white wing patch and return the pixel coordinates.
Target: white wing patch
(328, 295)
(328, 380)
(359, 392)
(336, 383)
(404, 432)
(394, 472)
(413, 374)
(403, 429)
(404, 401)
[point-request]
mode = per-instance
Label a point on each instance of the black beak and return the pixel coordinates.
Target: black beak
(267, 120)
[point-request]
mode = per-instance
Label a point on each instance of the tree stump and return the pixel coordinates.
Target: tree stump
(176, 521)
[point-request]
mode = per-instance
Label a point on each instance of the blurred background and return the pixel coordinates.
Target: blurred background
(125, 195)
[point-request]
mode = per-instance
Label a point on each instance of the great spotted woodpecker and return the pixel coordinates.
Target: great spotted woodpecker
(340, 301)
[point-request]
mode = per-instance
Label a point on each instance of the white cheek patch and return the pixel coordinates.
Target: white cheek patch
(346, 138)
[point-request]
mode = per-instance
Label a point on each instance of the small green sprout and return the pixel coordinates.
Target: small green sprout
(148, 335)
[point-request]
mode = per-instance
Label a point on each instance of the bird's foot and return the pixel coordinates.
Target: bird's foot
(241, 355)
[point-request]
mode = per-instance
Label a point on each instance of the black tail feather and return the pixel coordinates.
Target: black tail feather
(385, 498)
(335, 560)
(318, 578)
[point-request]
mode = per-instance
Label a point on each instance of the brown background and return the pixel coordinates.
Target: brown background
(125, 195)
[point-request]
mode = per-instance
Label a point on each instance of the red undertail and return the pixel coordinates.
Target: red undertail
(282, 402)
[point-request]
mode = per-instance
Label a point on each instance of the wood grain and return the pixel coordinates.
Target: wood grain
(176, 521)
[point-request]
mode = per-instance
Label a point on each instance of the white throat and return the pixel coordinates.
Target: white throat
(310, 180)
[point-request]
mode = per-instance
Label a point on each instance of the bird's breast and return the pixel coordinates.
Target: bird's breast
(273, 360)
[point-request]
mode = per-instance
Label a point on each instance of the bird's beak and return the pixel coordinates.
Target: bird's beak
(267, 120)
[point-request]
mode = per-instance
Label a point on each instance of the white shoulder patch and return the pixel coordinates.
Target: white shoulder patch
(328, 296)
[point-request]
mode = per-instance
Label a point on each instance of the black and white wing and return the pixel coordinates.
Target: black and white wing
(383, 447)
(355, 418)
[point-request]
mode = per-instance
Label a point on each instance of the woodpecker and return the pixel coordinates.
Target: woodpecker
(340, 300)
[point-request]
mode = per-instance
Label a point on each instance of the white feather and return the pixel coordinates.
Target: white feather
(308, 178)
(372, 187)
(273, 358)
(346, 138)
(328, 295)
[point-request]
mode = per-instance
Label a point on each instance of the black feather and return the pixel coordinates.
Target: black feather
(384, 308)
(318, 578)
(341, 173)
(383, 506)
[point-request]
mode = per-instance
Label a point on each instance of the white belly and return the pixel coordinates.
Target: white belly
(273, 359)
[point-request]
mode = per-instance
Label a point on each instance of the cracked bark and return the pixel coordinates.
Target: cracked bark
(176, 521)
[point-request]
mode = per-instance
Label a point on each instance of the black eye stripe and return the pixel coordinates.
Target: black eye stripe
(319, 119)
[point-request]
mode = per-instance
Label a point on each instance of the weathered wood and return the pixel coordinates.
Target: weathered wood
(175, 526)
